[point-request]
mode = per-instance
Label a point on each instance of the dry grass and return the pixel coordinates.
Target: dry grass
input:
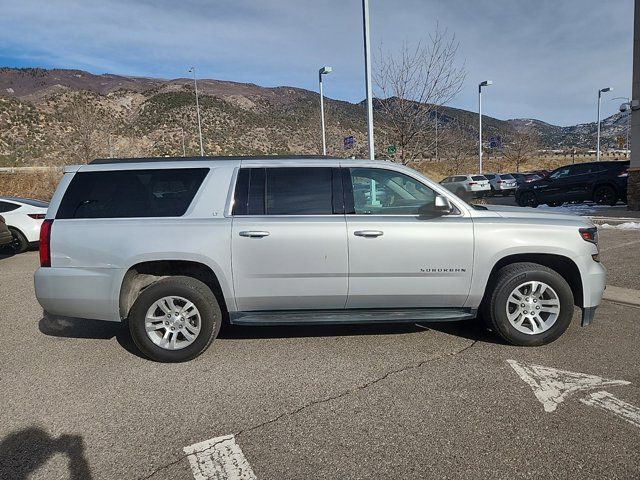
(37, 185)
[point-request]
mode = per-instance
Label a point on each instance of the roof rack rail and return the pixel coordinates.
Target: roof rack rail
(104, 161)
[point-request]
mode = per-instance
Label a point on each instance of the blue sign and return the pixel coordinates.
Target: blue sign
(348, 142)
(495, 142)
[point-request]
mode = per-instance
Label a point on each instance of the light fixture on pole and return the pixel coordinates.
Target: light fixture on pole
(626, 107)
(486, 83)
(367, 76)
(195, 86)
(323, 71)
(600, 92)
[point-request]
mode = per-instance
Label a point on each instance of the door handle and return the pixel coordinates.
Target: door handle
(368, 233)
(254, 234)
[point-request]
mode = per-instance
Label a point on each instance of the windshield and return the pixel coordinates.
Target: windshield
(478, 178)
(507, 177)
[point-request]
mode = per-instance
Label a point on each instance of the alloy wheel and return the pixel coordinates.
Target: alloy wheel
(533, 307)
(173, 322)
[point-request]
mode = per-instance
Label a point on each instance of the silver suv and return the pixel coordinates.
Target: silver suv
(467, 186)
(180, 247)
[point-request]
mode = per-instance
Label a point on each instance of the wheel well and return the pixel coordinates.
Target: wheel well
(563, 265)
(141, 275)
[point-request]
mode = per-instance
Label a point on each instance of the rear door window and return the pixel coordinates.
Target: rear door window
(288, 191)
(131, 193)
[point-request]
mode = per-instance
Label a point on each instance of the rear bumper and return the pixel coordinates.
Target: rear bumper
(78, 292)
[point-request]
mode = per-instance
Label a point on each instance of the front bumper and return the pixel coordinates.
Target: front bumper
(594, 282)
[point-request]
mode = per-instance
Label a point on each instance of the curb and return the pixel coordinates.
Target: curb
(597, 220)
(625, 296)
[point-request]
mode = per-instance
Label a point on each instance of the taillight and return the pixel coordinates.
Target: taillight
(589, 234)
(36, 216)
(624, 173)
(472, 184)
(45, 243)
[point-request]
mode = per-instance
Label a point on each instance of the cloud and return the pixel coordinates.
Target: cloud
(547, 58)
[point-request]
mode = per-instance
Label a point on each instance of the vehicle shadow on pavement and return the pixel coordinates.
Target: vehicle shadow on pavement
(68, 327)
(24, 451)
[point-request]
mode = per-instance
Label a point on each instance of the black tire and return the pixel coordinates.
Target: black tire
(19, 243)
(190, 289)
(494, 306)
(605, 195)
(528, 199)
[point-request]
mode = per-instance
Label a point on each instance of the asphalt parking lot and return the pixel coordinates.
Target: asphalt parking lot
(439, 401)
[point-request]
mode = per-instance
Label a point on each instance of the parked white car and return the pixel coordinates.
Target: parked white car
(467, 185)
(23, 217)
(503, 183)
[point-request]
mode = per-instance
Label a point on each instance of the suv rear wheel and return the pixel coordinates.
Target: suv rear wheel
(175, 319)
(605, 195)
(529, 304)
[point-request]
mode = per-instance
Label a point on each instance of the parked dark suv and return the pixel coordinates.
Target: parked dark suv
(603, 182)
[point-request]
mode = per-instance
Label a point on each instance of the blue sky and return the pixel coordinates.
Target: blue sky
(547, 58)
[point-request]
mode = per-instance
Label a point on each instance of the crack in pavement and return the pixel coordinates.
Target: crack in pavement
(313, 403)
(357, 388)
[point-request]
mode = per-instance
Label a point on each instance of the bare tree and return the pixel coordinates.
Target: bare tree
(458, 147)
(87, 129)
(521, 145)
(411, 84)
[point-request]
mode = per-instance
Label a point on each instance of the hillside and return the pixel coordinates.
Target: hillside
(63, 116)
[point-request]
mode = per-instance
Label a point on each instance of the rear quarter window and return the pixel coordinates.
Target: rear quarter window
(7, 206)
(131, 193)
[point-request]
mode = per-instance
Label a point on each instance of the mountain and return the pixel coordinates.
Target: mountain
(63, 116)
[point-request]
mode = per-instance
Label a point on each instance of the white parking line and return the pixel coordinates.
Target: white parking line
(620, 409)
(219, 458)
(552, 386)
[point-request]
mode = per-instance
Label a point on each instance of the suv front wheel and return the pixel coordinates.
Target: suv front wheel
(528, 304)
(175, 319)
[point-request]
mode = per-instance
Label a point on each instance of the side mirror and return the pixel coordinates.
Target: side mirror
(441, 206)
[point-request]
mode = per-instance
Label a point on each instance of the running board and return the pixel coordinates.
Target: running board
(323, 317)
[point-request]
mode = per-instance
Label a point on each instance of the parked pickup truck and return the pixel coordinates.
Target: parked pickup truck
(181, 246)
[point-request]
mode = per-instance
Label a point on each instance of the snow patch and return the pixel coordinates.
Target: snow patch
(622, 226)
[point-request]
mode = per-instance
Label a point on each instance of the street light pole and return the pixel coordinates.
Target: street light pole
(436, 133)
(486, 83)
(367, 75)
(195, 85)
(323, 71)
(600, 92)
